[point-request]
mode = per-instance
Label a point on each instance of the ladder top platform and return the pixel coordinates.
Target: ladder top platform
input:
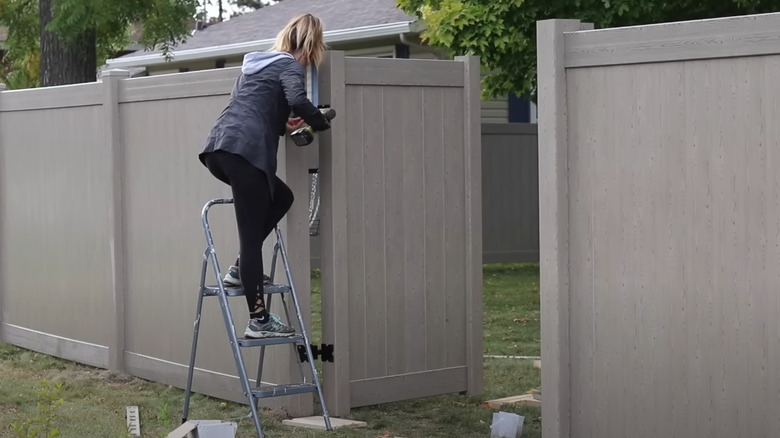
(239, 292)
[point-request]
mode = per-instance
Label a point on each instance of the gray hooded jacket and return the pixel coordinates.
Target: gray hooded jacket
(270, 86)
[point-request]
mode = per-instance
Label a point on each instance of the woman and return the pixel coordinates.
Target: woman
(241, 150)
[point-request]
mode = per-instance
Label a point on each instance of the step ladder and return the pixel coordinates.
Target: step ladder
(299, 341)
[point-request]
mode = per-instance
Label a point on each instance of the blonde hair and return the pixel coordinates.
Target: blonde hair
(303, 33)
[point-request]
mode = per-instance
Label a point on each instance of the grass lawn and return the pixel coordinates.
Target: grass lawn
(93, 400)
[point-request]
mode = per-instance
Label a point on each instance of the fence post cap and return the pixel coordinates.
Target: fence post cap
(115, 72)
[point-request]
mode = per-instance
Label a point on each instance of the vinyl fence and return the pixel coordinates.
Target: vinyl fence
(510, 192)
(510, 195)
(100, 234)
(659, 222)
(101, 240)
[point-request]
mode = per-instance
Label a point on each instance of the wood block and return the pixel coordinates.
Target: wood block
(525, 399)
(318, 423)
(205, 429)
(186, 430)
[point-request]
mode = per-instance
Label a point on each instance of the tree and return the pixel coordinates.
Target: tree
(21, 63)
(503, 33)
(71, 38)
(239, 6)
(253, 4)
(67, 60)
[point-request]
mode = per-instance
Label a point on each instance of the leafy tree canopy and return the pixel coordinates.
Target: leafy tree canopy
(503, 32)
(165, 23)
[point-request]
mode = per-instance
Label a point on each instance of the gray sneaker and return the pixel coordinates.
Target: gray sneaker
(274, 328)
(233, 278)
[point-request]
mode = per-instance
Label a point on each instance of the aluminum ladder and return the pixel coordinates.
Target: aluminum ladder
(299, 341)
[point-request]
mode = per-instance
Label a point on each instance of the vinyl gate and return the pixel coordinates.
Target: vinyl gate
(401, 203)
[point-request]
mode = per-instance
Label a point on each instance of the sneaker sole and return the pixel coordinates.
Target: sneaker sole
(231, 283)
(261, 335)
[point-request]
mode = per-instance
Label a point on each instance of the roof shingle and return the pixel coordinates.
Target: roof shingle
(265, 23)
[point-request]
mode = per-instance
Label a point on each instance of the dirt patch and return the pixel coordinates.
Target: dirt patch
(117, 379)
(278, 414)
(5, 409)
(104, 376)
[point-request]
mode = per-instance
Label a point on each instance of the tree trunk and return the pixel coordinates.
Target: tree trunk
(63, 63)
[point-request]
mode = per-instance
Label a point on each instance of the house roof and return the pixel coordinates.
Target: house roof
(265, 23)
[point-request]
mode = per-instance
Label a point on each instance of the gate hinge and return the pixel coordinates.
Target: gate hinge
(324, 351)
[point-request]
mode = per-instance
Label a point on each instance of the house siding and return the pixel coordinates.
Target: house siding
(495, 110)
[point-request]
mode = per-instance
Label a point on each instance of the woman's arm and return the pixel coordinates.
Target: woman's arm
(295, 91)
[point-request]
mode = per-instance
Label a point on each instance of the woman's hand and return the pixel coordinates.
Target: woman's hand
(294, 123)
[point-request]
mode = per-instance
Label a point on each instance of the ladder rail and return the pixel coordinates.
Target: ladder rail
(195, 333)
(261, 359)
(269, 296)
(230, 326)
(299, 314)
(204, 217)
(254, 396)
(227, 316)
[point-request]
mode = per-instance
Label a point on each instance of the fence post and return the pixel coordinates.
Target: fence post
(554, 226)
(296, 233)
(113, 141)
(2, 331)
(472, 155)
(333, 226)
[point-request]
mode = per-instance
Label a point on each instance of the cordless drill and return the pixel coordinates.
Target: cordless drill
(304, 136)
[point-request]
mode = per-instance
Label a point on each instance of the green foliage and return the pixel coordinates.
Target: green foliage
(165, 24)
(41, 424)
(253, 4)
(20, 65)
(503, 33)
(164, 412)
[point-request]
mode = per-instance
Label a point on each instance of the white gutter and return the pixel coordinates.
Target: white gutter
(333, 36)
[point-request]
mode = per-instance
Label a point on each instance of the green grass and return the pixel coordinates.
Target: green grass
(95, 399)
(511, 304)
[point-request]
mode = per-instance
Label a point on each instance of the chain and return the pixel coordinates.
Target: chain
(314, 199)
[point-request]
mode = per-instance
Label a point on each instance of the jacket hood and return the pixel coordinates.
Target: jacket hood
(256, 61)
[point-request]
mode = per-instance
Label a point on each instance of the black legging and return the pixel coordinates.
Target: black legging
(257, 213)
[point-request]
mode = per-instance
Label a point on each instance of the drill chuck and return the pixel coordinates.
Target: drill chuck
(305, 136)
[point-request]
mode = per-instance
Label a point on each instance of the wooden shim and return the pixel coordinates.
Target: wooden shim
(525, 400)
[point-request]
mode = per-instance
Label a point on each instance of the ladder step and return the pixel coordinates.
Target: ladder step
(266, 391)
(251, 342)
(211, 291)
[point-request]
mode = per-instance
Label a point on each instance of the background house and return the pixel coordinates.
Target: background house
(375, 28)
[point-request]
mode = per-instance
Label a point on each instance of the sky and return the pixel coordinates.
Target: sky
(213, 8)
